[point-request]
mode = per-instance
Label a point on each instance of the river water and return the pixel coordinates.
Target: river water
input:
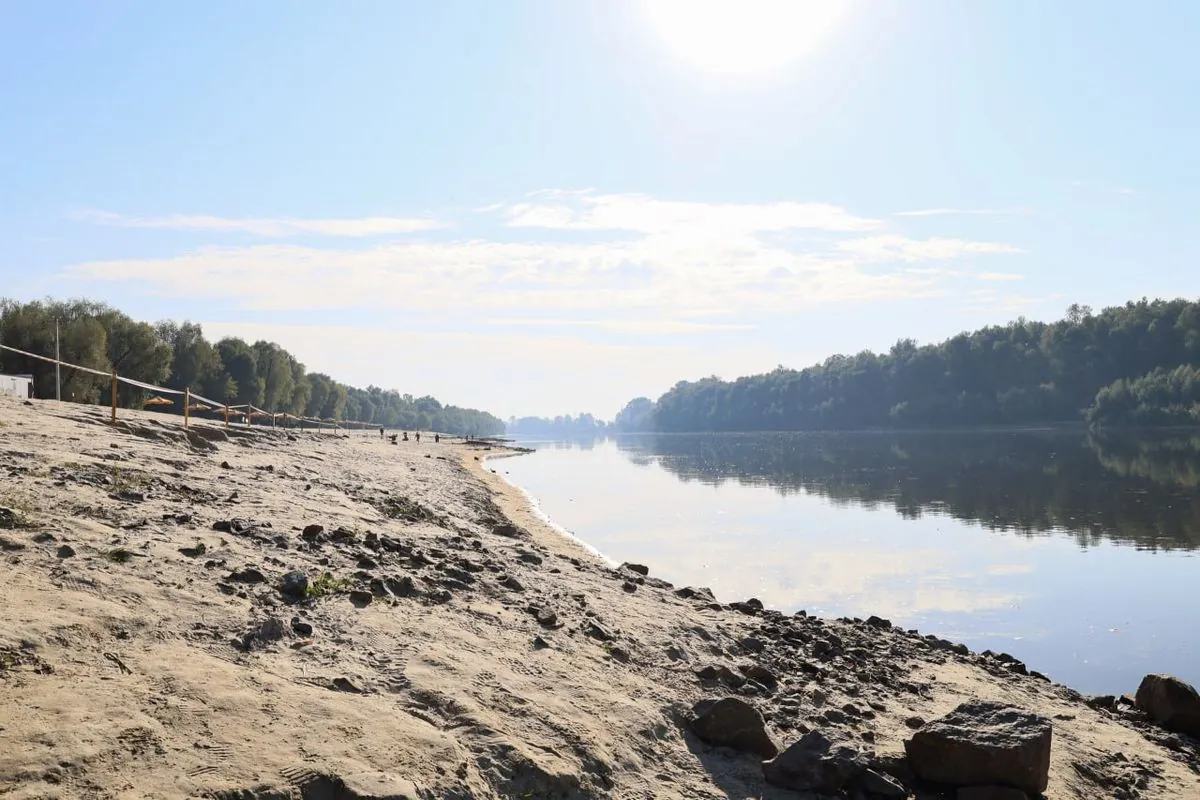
(1075, 553)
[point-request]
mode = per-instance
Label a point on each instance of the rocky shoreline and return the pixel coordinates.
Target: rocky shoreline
(242, 613)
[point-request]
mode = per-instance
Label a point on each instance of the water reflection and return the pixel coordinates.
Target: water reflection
(1140, 490)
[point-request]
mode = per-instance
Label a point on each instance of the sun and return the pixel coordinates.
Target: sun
(742, 37)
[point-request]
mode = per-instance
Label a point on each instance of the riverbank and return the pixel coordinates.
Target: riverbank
(170, 632)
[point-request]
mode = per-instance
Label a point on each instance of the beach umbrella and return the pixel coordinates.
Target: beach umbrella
(159, 401)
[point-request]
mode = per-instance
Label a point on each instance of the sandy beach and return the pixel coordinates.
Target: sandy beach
(253, 613)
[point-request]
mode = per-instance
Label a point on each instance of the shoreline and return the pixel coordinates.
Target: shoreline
(460, 646)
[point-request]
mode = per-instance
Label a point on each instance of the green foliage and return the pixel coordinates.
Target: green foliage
(119, 555)
(1023, 373)
(327, 585)
(177, 355)
(1159, 398)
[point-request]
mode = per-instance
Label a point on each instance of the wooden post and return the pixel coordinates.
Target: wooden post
(114, 398)
(226, 415)
(187, 403)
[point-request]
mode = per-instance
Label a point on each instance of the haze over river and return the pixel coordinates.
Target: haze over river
(1073, 552)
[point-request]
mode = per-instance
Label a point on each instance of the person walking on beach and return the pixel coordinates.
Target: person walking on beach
(437, 437)
(381, 433)
(418, 435)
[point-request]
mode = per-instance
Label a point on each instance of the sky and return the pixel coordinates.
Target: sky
(542, 207)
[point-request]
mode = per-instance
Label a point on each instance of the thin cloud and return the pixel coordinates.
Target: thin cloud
(894, 247)
(978, 212)
(650, 326)
(1000, 276)
(266, 227)
(585, 211)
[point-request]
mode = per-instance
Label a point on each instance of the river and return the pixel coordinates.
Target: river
(1073, 552)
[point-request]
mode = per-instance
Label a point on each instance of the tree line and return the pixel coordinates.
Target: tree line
(560, 426)
(1135, 364)
(177, 355)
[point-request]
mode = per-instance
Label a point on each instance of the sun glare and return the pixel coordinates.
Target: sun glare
(742, 37)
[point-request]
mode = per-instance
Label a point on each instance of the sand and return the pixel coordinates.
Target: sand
(461, 647)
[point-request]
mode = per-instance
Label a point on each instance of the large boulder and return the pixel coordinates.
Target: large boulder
(815, 764)
(984, 742)
(1171, 703)
(730, 722)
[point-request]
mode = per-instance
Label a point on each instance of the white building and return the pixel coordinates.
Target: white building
(16, 386)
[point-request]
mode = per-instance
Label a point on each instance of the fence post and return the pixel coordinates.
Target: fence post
(114, 397)
(227, 415)
(187, 402)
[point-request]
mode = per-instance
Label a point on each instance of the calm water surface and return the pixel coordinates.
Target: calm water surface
(1072, 552)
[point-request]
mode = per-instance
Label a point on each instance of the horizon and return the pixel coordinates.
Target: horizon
(541, 210)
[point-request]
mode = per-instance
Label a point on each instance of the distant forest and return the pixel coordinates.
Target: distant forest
(561, 426)
(177, 355)
(1137, 364)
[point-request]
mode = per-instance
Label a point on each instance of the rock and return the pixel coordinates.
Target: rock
(544, 616)
(366, 562)
(814, 764)
(343, 684)
(312, 533)
(539, 643)
(360, 598)
(1107, 702)
(752, 606)
(265, 632)
(752, 644)
(984, 742)
(246, 575)
(509, 582)
(640, 569)
(757, 672)
(1171, 703)
(129, 497)
(225, 465)
(301, 628)
(66, 551)
(596, 632)
(878, 622)
(10, 545)
(880, 785)
(402, 587)
(294, 584)
(508, 530)
(990, 793)
(629, 586)
(915, 722)
(722, 673)
(620, 654)
(194, 552)
(730, 722)
(690, 593)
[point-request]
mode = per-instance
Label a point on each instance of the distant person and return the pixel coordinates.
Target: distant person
(418, 435)
(437, 437)
(406, 436)
(381, 432)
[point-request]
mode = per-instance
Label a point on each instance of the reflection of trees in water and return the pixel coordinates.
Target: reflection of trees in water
(1143, 490)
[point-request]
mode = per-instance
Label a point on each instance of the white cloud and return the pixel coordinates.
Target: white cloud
(651, 326)
(270, 227)
(981, 212)
(893, 247)
(583, 210)
(1000, 276)
(663, 267)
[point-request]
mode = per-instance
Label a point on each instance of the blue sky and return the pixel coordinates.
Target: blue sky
(548, 207)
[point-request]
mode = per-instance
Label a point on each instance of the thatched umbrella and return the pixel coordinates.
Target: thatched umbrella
(159, 401)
